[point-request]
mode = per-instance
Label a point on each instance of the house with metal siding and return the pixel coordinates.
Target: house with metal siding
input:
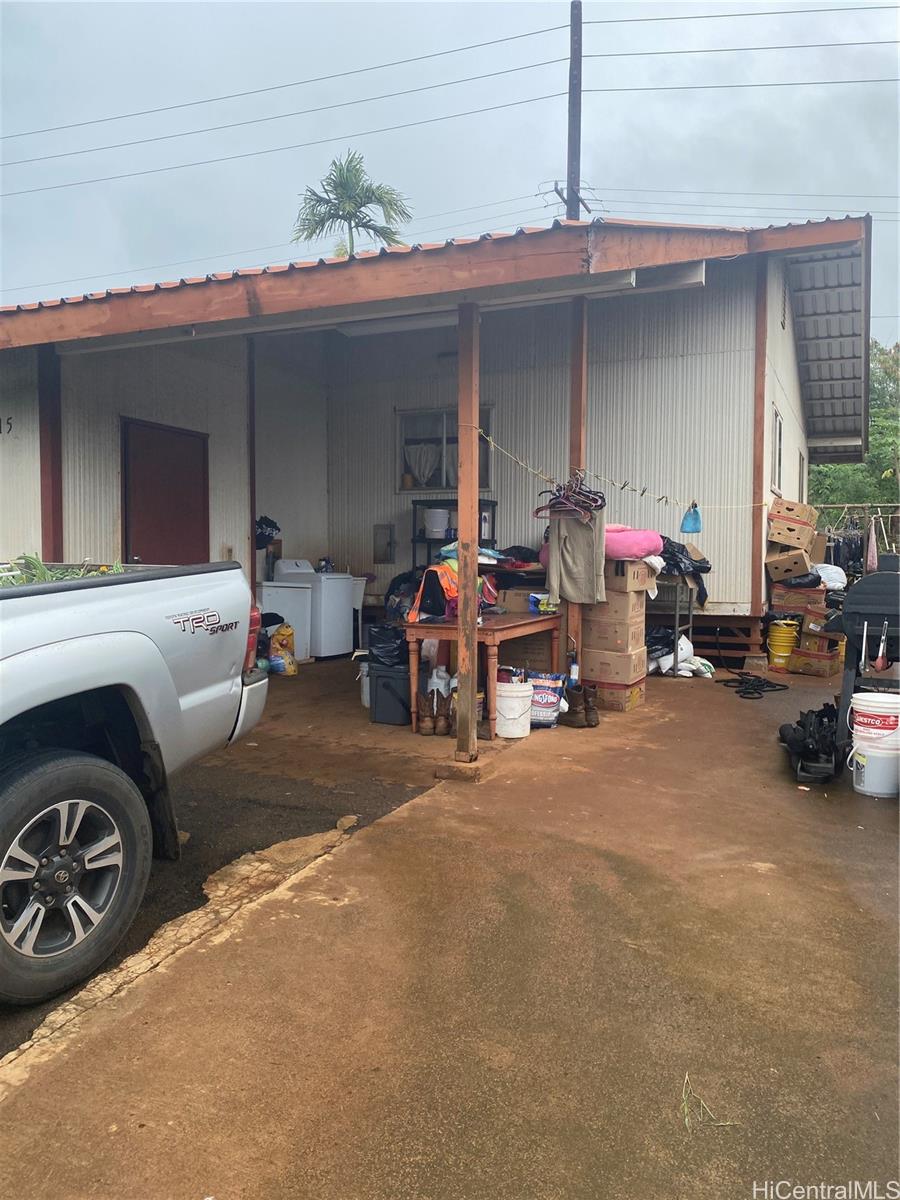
(719, 363)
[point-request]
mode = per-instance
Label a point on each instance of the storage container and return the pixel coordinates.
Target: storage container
(389, 693)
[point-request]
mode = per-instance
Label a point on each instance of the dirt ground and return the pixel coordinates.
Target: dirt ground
(494, 991)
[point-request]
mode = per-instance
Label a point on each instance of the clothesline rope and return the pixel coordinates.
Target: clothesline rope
(626, 486)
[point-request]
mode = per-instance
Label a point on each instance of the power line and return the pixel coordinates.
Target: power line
(737, 49)
(303, 112)
(277, 87)
(788, 195)
(53, 187)
(783, 12)
(882, 212)
(713, 87)
(621, 210)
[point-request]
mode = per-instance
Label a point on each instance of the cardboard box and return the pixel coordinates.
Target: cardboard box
(795, 600)
(815, 643)
(626, 575)
(619, 606)
(621, 697)
(792, 524)
(814, 621)
(810, 662)
(612, 666)
(818, 548)
(622, 636)
(532, 652)
(788, 564)
(515, 600)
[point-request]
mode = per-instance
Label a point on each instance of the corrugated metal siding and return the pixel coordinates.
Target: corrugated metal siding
(20, 455)
(199, 385)
(783, 388)
(670, 406)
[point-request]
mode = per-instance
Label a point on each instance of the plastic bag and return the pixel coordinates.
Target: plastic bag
(283, 663)
(692, 522)
(282, 640)
(834, 578)
(387, 646)
(812, 580)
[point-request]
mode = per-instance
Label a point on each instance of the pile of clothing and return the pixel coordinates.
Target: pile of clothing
(438, 594)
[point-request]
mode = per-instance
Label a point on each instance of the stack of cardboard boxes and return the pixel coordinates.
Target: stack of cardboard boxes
(794, 548)
(613, 655)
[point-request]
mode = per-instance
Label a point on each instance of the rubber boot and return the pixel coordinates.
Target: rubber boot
(575, 718)
(442, 713)
(591, 712)
(426, 713)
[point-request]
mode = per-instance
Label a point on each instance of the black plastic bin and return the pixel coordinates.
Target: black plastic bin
(389, 693)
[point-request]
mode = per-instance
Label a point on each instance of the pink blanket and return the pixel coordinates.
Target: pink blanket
(624, 542)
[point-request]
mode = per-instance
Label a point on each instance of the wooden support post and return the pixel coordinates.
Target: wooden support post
(577, 437)
(50, 442)
(468, 530)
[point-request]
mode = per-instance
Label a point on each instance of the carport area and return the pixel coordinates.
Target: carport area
(497, 990)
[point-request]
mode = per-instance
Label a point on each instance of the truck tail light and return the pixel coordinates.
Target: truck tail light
(252, 634)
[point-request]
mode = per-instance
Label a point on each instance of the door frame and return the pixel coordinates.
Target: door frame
(124, 422)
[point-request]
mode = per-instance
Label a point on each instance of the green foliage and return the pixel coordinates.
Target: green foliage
(874, 481)
(29, 568)
(345, 206)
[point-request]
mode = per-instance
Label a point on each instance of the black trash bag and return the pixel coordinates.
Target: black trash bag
(387, 646)
(812, 580)
(266, 531)
(520, 553)
(660, 640)
(401, 594)
(679, 562)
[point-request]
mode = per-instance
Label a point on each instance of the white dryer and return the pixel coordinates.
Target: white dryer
(331, 615)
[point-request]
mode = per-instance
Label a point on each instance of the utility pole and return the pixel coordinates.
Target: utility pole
(573, 161)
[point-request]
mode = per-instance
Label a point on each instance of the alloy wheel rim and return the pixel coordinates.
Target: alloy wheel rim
(59, 878)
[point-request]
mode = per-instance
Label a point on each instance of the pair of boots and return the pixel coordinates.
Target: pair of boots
(434, 713)
(583, 712)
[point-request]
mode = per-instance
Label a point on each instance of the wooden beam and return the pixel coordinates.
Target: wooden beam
(251, 457)
(468, 530)
(50, 443)
(578, 386)
(758, 516)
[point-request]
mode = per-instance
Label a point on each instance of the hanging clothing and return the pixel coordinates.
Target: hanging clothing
(872, 549)
(577, 558)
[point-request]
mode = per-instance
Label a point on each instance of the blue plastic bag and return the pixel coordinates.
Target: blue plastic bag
(692, 522)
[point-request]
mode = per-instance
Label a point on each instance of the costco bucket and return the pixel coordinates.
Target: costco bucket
(875, 720)
(514, 709)
(782, 638)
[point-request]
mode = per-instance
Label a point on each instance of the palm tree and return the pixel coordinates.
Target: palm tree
(345, 206)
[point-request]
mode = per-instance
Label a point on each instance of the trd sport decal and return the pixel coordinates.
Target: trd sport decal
(206, 619)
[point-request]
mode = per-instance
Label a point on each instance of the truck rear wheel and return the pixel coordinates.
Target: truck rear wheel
(75, 852)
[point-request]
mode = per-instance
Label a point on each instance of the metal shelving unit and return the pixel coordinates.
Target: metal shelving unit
(418, 539)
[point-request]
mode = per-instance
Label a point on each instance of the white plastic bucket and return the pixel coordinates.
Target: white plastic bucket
(436, 522)
(875, 772)
(875, 720)
(514, 709)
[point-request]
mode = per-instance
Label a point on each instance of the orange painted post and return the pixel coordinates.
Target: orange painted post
(467, 518)
(577, 437)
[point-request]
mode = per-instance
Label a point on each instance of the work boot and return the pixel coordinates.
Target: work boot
(442, 713)
(576, 717)
(591, 712)
(426, 713)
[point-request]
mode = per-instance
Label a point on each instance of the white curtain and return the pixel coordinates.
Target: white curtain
(423, 458)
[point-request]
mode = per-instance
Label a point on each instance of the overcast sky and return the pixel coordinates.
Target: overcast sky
(813, 151)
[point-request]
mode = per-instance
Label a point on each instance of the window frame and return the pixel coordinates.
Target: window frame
(776, 467)
(448, 440)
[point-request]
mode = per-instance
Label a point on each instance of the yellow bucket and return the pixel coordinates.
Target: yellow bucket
(782, 640)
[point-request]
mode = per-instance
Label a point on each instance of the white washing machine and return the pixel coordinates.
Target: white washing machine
(293, 601)
(331, 612)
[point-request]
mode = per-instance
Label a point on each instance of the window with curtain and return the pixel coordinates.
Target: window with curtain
(428, 450)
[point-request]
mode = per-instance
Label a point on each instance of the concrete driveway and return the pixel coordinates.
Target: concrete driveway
(494, 993)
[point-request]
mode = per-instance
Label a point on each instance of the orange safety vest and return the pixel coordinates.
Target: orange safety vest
(449, 581)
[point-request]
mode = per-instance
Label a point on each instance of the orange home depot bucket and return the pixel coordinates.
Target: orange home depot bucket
(781, 640)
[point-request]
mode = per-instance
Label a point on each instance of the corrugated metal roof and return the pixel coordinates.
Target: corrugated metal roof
(367, 255)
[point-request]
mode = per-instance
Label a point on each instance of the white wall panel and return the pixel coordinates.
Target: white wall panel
(670, 406)
(195, 385)
(20, 455)
(291, 441)
(783, 390)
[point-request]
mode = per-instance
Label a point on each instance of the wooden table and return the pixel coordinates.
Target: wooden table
(493, 630)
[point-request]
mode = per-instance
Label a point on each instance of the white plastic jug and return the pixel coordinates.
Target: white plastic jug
(439, 681)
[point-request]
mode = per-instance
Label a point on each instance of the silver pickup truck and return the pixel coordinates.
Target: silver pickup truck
(108, 686)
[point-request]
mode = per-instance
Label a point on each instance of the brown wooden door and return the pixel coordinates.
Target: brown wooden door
(165, 495)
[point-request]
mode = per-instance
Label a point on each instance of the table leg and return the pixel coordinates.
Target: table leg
(554, 651)
(491, 674)
(414, 683)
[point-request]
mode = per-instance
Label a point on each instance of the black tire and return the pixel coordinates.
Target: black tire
(27, 790)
